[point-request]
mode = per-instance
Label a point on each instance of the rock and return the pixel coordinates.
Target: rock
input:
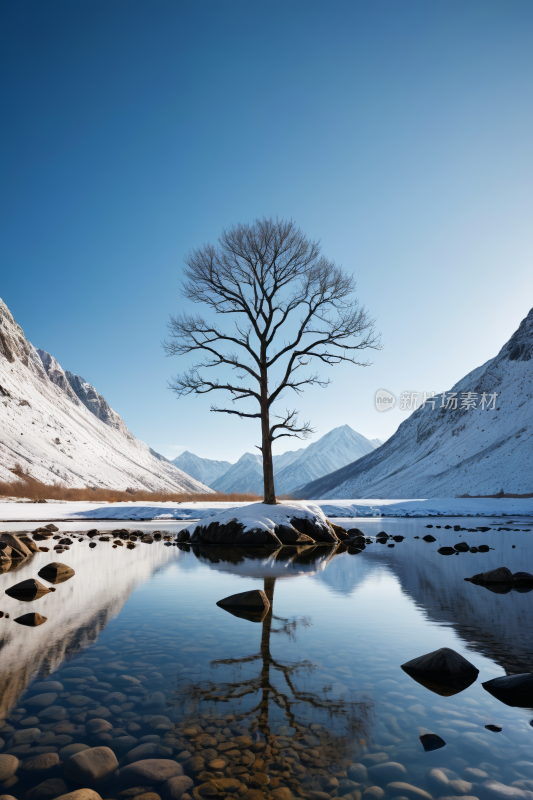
(461, 547)
(446, 551)
(513, 690)
(47, 790)
(290, 536)
(27, 736)
(430, 741)
(461, 788)
(407, 790)
(252, 602)
(91, 766)
(30, 589)
(80, 794)
(55, 572)
(20, 550)
(283, 793)
(47, 686)
(429, 538)
(31, 620)
(387, 772)
(494, 790)
(42, 700)
(41, 762)
(374, 793)
(233, 533)
(499, 575)
(522, 577)
(183, 536)
(173, 788)
(98, 726)
(443, 671)
(483, 548)
(358, 773)
(439, 778)
(346, 786)
(495, 728)
(150, 771)
(145, 750)
(8, 766)
(70, 749)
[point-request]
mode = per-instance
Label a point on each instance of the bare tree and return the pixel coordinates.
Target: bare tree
(290, 304)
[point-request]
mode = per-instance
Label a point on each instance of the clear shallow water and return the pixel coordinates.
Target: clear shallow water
(330, 656)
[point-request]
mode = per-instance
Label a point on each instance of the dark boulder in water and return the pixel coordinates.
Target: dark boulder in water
(443, 671)
(522, 577)
(429, 538)
(254, 602)
(446, 551)
(513, 690)
(462, 547)
(495, 728)
(499, 575)
(30, 589)
(430, 741)
(55, 572)
(31, 620)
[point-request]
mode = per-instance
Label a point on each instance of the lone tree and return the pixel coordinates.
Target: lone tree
(290, 305)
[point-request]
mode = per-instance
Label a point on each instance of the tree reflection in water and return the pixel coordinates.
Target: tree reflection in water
(277, 682)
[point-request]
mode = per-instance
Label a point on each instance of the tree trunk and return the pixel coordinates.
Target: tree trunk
(266, 445)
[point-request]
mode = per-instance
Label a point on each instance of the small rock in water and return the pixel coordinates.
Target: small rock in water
(30, 589)
(499, 575)
(92, 544)
(150, 771)
(443, 671)
(430, 741)
(47, 790)
(446, 551)
(56, 572)
(429, 538)
(495, 728)
(253, 602)
(31, 620)
(462, 547)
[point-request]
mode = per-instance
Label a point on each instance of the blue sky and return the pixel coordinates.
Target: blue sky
(397, 132)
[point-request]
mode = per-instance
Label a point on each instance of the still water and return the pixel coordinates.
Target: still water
(135, 639)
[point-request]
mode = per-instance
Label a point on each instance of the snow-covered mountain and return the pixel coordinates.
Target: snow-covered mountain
(340, 446)
(58, 428)
(246, 475)
(204, 470)
(296, 467)
(446, 452)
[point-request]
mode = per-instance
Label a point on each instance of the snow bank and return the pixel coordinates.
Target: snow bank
(443, 507)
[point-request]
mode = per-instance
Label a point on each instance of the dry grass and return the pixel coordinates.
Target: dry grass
(28, 488)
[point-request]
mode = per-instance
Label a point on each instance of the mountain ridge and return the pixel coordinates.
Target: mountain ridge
(443, 452)
(57, 427)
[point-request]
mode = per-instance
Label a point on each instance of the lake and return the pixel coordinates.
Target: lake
(310, 701)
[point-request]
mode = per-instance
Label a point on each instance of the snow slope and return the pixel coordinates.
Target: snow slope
(204, 470)
(59, 429)
(446, 453)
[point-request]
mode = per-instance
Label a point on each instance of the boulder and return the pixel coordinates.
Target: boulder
(430, 741)
(513, 690)
(31, 620)
(40, 763)
(461, 547)
(18, 547)
(55, 572)
(446, 551)
(522, 577)
(149, 771)
(443, 671)
(183, 536)
(429, 538)
(499, 575)
(173, 788)
(91, 766)
(80, 794)
(8, 766)
(252, 602)
(268, 526)
(47, 790)
(30, 589)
